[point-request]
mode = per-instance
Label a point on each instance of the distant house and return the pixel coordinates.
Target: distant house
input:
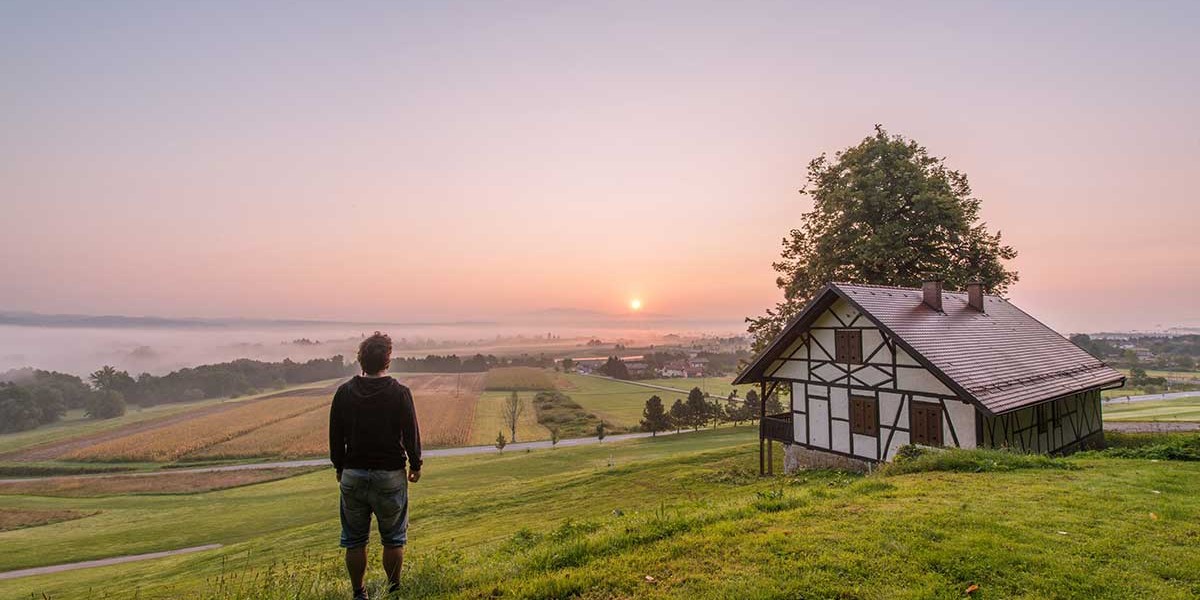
(676, 368)
(870, 369)
(637, 368)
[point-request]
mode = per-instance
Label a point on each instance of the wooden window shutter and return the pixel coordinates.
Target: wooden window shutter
(925, 423)
(848, 346)
(864, 415)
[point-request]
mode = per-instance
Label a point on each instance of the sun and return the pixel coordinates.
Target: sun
(635, 304)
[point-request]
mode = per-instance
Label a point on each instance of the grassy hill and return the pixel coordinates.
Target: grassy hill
(672, 517)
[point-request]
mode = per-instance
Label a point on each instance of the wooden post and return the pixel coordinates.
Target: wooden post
(762, 413)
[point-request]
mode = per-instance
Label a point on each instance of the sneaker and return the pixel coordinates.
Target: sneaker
(393, 590)
(361, 594)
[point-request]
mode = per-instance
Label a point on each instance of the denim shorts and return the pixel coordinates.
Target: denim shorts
(382, 493)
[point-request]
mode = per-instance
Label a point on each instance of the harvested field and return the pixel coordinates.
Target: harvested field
(303, 435)
(168, 483)
(445, 406)
(19, 518)
(518, 379)
(59, 449)
(170, 442)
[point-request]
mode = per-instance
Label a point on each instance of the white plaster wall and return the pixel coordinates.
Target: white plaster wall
(865, 446)
(841, 437)
(920, 380)
(839, 403)
(963, 416)
(818, 418)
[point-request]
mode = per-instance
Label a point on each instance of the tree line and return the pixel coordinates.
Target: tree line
(470, 364)
(36, 397)
(699, 411)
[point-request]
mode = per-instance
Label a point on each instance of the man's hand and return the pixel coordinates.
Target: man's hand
(339, 475)
(414, 476)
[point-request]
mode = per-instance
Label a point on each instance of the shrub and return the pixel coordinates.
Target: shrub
(1159, 446)
(913, 459)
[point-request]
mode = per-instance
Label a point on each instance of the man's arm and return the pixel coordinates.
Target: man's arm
(410, 434)
(337, 438)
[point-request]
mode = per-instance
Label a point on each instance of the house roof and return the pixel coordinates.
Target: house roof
(1002, 359)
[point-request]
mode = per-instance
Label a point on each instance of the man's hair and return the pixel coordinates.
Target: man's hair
(375, 352)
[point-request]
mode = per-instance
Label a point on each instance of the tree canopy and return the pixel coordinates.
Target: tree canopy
(884, 212)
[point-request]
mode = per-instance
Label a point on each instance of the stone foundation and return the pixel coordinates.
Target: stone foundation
(798, 458)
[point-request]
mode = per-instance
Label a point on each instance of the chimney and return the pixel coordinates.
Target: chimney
(975, 296)
(931, 291)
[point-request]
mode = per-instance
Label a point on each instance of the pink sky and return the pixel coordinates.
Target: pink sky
(409, 162)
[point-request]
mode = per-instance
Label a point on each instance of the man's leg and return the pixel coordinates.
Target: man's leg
(356, 566)
(393, 559)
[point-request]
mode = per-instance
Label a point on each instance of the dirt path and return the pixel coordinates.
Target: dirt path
(103, 562)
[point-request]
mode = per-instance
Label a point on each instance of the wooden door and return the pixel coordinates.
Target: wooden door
(925, 423)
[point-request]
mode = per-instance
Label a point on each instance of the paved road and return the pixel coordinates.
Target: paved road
(104, 562)
(1153, 397)
(1151, 426)
(321, 462)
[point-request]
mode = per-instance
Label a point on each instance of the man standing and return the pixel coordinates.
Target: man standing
(372, 428)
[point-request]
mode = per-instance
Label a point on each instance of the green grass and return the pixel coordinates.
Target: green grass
(1180, 409)
(914, 459)
(75, 424)
(717, 386)
(621, 402)
(489, 420)
(674, 517)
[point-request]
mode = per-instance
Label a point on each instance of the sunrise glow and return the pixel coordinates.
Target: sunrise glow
(635, 304)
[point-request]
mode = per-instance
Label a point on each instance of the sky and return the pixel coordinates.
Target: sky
(445, 161)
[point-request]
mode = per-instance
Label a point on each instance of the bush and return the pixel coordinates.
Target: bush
(918, 459)
(1159, 446)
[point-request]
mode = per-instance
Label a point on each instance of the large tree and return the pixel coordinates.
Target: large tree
(654, 416)
(884, 212)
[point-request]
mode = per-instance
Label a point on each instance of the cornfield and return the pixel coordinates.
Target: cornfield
(291, 426)
(171, 442)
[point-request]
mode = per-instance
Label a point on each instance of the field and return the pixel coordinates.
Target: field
(1181, 409)
(520, 379)
(52, 441)
(489, 420)
(717, 386)
(446, 406)
(621, 402)
(674, 517)
(171, 442)
(288, 424)
(11, 519)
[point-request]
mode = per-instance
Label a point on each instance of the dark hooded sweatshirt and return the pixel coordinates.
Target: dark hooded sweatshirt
(372, 425)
